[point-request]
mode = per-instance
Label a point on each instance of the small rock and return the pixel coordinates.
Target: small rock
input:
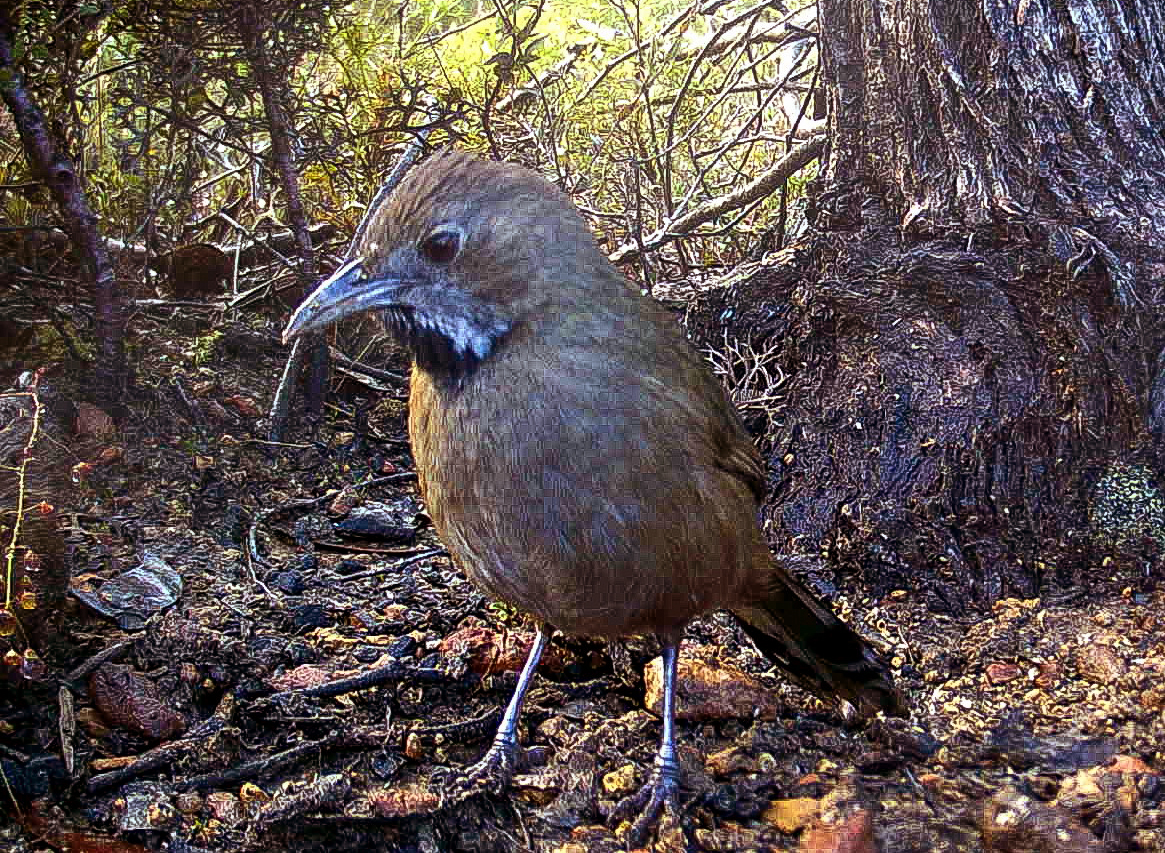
(302, 677)
(731, 760)
(1128, 764)
(385, 765)
(189, 802)
(670, 834)
(538, 789)
(143, 806)
(1082, 785)
(854, 833)
(93, 422)
(243, 405)
(367, 653)
(35, 778)
(1001, 673)
(1099, 664)
(792, 815)
(1153, 699)
(558, 730)
(705, 692)
(134, 595)
(290, 583)
(537, 755)
(593, 838)
(132, 701)
(879, 762)
(484, 650)
(311, 616)
(621, 782)
(402, 647)
(1012, 822)
(1048, 675)
(730, 836)
(395, 522)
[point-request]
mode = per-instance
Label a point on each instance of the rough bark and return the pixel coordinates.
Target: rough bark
(970, 339)
(58, 173)
(973, 112)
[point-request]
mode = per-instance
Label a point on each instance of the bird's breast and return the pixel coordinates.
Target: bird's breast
(566, 492)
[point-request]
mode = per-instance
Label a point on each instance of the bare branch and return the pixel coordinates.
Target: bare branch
(763, 185)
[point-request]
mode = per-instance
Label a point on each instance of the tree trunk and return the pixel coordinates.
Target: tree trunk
(308, 359)
(971, 392)
(50, 165)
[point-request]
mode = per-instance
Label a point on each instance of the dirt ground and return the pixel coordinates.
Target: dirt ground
(317, 698)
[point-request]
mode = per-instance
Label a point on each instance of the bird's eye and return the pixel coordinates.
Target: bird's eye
(441, 246)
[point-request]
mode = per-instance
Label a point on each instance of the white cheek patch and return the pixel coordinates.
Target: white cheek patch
(448, 329)
(469, 337)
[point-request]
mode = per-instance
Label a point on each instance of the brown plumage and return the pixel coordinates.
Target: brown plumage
(577, 456)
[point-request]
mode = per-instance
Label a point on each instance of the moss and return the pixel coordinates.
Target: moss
(1127, 507)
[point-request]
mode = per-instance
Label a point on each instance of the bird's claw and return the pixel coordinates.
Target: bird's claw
(490, 775)
(661, 792)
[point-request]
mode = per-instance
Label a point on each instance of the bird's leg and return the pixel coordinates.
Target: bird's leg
(663, 788)
(495, 769)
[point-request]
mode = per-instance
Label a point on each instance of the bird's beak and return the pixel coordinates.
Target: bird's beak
(346, 292)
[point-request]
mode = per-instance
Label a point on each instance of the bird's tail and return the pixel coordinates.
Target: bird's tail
(817, 650)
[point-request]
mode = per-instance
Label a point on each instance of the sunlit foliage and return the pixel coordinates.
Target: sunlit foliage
(642, 111)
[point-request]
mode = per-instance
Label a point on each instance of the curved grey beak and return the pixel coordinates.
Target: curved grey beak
(345, 293)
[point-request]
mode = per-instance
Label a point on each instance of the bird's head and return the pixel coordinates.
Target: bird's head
(463, 251)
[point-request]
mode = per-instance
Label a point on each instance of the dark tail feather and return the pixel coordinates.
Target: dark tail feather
(817, 650)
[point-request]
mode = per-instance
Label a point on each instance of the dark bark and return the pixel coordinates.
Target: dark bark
(971, 337)
(1044, 114)
(311, 359)
(282, 157)
(58, 173)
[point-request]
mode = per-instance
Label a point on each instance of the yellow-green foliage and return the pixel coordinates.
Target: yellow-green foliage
(642, 111)
(204, 347)
(632, 101)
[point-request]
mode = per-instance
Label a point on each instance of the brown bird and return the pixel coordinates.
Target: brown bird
(575, 452)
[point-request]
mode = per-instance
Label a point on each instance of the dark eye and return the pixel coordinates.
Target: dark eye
(441, 246)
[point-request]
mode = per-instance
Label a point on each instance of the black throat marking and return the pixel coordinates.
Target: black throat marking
(453, 344)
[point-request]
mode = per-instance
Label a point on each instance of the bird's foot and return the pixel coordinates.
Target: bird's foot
(490, 775)
(661, 792)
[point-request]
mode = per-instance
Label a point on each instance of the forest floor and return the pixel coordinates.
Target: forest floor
(316, 700)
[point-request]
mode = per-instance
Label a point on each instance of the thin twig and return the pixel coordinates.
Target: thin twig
(162, 756)
(765, 184)
(394, 567)
(107, 654)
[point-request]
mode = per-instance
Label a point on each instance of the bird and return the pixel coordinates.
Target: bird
(578, 457)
